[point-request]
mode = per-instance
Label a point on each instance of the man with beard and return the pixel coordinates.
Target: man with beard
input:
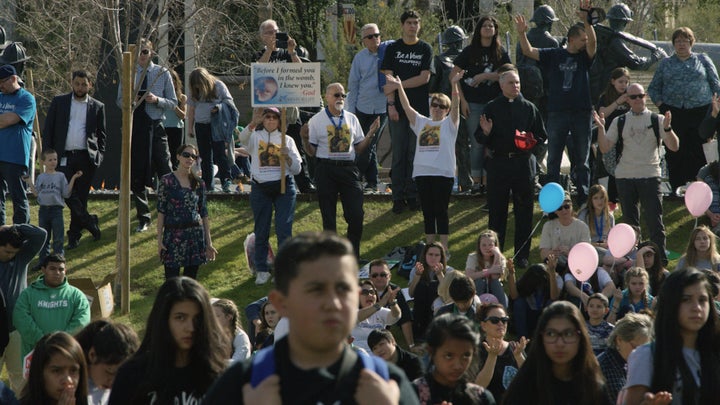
(337, 172)
(75, 128)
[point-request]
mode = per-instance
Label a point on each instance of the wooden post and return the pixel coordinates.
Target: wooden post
(37, 148)
(123, 241)
(283, 121)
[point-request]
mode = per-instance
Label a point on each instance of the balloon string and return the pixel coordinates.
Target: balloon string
(696, 219)
(581, 293)
(529, 237)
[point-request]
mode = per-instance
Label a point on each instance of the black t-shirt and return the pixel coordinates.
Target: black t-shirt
(129, 385)
(475, 61)
(410, 363)
(302, 387)
(505, 369)
(408, 61)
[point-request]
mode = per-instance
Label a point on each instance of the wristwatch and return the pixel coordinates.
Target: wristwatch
(376, 306)
(668, 129)
(391, 103)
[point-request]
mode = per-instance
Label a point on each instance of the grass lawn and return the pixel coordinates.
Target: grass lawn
(231, 221)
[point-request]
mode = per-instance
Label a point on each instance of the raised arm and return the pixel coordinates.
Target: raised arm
(527, 49)
(455, 100)
(396, 84)
(591, 46)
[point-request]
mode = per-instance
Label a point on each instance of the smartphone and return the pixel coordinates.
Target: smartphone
(281, 40)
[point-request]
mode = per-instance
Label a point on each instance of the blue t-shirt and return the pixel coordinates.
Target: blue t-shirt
(569, 78)
(16, 139)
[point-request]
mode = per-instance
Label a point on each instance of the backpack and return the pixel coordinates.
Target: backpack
(440, 79)
(532, 81)
(411, 256)
(263, 365)
(612, 157)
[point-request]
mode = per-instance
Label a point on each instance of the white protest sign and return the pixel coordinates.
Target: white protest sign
(285, 84)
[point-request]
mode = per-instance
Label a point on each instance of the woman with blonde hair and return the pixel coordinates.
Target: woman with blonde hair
(598, 218)
(228, 316)
(487, 266)
(208, 95)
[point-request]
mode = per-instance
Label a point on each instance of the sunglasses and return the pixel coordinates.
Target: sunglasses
(145, 51)
(340, 95)
(636, 96)
(564, 207)
(188, 155)
(496, 319)
(381, 275)
(368, 36)
(440, 106)
(367, 292)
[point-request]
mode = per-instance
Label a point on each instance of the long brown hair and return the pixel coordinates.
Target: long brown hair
(496, 49)
(590, 217)
(610, 94)
(194, 180)
(202, 85)
(691, 254)
(443, 260)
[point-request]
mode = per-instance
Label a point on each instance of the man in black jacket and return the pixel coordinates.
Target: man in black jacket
(75, 128)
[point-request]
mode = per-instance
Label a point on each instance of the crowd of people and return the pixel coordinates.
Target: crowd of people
(633, 332)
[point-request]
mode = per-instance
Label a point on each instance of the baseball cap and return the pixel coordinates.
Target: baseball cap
(7, 71)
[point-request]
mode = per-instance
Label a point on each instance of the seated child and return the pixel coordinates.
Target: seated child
(598, 328)
(634, 298)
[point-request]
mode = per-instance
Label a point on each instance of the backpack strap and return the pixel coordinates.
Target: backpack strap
(263, 365)
(619, 142)
(655, 122)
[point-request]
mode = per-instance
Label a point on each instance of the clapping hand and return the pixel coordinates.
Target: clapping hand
(599, 119)
(668, 118)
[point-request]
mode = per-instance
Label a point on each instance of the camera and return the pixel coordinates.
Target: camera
(281, 40)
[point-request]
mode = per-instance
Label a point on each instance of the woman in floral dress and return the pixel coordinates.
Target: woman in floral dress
(183, 226)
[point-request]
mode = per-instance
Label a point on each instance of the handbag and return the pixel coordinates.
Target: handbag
(524, 141)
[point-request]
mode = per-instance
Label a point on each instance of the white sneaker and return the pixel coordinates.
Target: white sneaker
(262, 278)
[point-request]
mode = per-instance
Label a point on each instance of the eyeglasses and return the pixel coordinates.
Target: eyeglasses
(188, 155)
(636, 96)
(440, 106)
(381, 275)
(369, 36)
(568, 336)
(340, 95)
(496, 319)
(367, 292)
(565, 207)
(145, 51)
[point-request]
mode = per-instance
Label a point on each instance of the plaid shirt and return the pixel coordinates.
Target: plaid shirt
(614, 368)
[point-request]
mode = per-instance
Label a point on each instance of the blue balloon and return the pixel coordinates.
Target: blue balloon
(551, 197)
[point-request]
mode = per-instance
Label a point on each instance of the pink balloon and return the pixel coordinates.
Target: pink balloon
(621, 240)
(583, 261)
(698, 198)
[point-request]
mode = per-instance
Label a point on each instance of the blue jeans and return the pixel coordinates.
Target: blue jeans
(645, 192)
(577, 124)
(262, 203)
(402, 141)
(11, 180)
(477, 150)
(51, 219)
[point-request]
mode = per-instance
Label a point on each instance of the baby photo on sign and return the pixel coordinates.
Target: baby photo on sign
(338, 140)
(269, 154)
(430, 136)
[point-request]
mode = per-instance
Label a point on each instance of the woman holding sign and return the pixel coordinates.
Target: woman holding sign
(263, 141)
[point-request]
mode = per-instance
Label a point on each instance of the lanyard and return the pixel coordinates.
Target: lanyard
(599, 227)
(338, 127)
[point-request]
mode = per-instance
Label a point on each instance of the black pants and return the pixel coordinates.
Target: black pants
(434, 193)
(77, 202)
(190, 271)
(332, 180)
(176, 137)
(367, 160)
(211, 152)
(514, 174)
(684, 164)
(150, 154)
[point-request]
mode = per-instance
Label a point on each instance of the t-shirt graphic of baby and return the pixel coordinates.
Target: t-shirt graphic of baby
(338, 139)
(269, 154)
(429, 137)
